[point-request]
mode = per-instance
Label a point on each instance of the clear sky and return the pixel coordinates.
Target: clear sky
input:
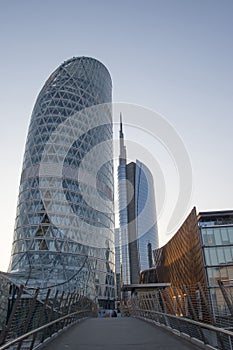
(171, 56)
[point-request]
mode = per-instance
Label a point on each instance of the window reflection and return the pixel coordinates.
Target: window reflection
(218, 255)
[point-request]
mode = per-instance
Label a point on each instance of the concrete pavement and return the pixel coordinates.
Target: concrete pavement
(123, 333)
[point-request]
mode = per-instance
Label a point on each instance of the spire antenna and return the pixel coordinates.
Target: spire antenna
(121, 128)
(122, 157)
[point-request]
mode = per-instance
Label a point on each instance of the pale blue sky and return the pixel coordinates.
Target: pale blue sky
(174, 57)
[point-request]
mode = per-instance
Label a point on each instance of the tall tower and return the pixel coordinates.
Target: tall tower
(118, 264)
(123, 214)
(62, 238)
(142, 221)
(122, 157)
(138, 223)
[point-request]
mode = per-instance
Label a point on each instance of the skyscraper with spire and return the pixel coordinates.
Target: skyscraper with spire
(123, 215)
(138, 223)
(122, 158)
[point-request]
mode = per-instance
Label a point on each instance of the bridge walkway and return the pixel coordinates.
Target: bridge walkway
(123, 333)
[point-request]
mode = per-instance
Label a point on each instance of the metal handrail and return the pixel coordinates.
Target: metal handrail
(197, 323)
(34, 331)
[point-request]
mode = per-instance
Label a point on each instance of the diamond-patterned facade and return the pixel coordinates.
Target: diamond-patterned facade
(49, 243)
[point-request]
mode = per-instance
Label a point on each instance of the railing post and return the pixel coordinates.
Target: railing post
(159, 306)
(230, 343)
(191, 304)
(41, 315)
(178, 301)
(163, 302)
(153, 304)
(64, 310)
(156, 306)
(29, 316)
(211, 314)
(147, 303)
(69, 306)
(14, 308)
(170, 301)
(144, 304)
(51, 311)
(136, 306)
(131, 307)
(225, 296)
(60, 302)
(194, 313)
(174, 310)
(74, 305)
(140, 304)
(164, 308)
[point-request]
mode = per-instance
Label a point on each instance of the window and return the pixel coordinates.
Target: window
(213, 275)
(230, 234)
(208, 237)
(217, 236)
(224, 235)
(220, 255)
(223, 273)
(213, 256)
(228, 254)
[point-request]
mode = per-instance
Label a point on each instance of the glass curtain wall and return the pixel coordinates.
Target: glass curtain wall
(55, 241)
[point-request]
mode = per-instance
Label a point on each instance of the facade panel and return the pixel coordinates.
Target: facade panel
(180, 263)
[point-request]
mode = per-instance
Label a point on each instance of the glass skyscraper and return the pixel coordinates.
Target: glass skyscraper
(117, 264)
(123, 217)
(138, 223)
(62, 236)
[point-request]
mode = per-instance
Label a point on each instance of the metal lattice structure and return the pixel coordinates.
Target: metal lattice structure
(62, 236)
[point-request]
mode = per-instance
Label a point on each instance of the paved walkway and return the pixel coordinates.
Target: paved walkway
(117, 334)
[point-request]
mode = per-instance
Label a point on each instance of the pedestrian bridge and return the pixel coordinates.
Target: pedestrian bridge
(52, 319)
(123, 333)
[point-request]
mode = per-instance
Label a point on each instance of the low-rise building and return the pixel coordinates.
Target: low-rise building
(198, 263)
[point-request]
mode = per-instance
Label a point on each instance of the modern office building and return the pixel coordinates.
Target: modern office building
(62, 236)
(216, 228)
(123, 214)
(142, 222)
(138, 224)
(198, 262)
(118, 263)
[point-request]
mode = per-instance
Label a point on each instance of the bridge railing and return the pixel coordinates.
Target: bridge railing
(28, 312)
(198, 332)
(32, 339)
(187, 310)
(209, 305)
